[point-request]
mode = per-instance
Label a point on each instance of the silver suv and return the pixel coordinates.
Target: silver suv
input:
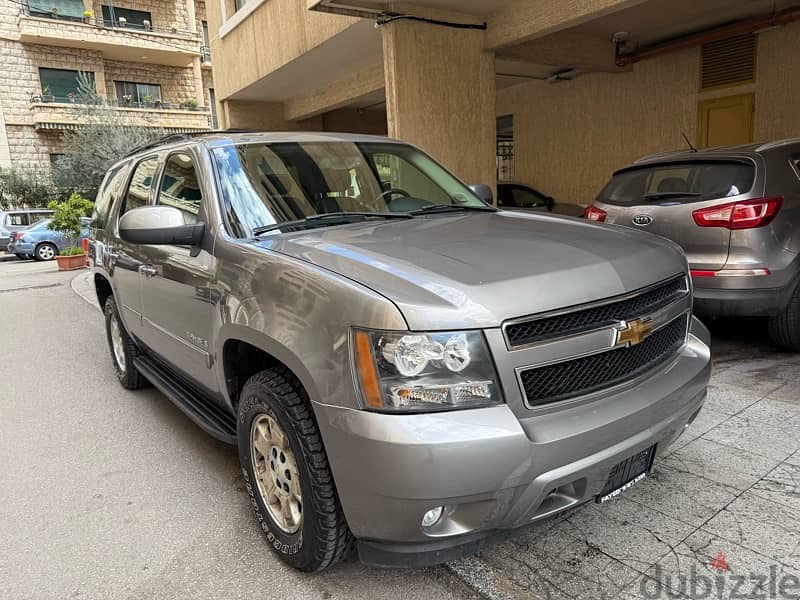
(736, 212)
(12, 221)
(403, 367)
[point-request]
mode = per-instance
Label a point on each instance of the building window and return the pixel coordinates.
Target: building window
(238, 4)
(70, 10)
(137, 93)
(212, 100)
(63, 84)
(206, 44)
(54, 157)
(138, 19)
(505, 148)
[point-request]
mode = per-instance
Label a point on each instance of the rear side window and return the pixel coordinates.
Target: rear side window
(138, 193)
(679, 182)
(17, 220)
(109, 192)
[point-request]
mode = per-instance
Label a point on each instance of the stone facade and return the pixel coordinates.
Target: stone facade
(111, 55)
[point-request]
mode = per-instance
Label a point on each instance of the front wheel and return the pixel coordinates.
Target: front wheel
(784, 329)
(287, 473)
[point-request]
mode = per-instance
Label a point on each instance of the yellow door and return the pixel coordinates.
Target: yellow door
(725, 121)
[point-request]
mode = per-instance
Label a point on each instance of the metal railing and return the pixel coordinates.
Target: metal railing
(118, 23)
(120, 103)
(505, 159)
(206, 54)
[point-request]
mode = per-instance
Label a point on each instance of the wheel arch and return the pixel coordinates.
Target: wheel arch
(103, 289)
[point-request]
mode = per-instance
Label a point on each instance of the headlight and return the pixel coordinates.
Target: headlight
(413, 372)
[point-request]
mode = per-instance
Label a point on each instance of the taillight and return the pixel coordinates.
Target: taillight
(739, 215)
(592, 213)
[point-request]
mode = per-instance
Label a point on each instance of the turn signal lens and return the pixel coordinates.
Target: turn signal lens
(739, 215)
(592, 213)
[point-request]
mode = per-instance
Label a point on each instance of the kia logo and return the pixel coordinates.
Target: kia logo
(642, 220)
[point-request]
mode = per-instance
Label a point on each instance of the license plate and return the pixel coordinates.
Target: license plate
(627, 474)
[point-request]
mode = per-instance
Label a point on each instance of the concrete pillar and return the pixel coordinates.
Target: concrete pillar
(440, 95)
(197, 74)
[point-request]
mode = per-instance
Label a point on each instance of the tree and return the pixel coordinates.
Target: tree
(66, 218)
(104, 136)
(25, 188)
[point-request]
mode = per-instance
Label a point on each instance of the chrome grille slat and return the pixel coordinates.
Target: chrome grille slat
(525, 332)
(561, 381)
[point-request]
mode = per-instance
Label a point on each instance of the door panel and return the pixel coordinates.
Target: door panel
(176, 283)
(125, 259)
(726, 121)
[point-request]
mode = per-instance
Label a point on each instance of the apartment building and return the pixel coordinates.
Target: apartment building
(149, 59)
(554, 93)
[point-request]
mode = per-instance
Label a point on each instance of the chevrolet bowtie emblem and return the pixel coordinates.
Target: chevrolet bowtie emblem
(633, 333)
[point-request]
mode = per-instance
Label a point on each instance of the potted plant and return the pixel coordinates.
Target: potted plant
(148, 101)
(87, 16)
(147, 25)
(166, 105)
(72, 97)
(46, 95)
(66, 219)
(122, 21)
(191, 104)
(54, 12)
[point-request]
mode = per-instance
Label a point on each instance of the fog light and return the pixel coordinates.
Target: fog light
(430, 518)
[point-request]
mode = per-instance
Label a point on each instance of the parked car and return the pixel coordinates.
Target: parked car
(518, 196)
(17, 220)
(42, 243)
(402, 366)
(736, 213)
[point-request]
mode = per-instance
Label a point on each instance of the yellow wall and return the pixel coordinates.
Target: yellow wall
(570, 136)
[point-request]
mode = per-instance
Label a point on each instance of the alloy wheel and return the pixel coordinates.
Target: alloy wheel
(276, 473)
(117, 344)
(46, 252)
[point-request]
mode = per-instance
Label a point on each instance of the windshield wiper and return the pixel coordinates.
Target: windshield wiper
(342, 217)
(662, 195)
(434, 208)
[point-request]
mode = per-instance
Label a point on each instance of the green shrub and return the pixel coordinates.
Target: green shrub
(71, 251)
(25, 188)
(67, 215)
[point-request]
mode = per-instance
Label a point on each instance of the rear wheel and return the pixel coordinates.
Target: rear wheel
(784, 329)
(123, 349)
(45, 251)
(287, 473)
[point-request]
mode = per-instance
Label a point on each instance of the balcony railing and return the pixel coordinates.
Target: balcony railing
(118, 23)
(205, 54)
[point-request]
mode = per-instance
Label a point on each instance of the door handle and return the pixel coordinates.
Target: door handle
(148, 271)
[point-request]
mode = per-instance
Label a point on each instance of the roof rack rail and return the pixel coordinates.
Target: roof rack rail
(183, 137)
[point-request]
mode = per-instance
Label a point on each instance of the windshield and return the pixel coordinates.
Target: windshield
(265, 184)
(679, 182)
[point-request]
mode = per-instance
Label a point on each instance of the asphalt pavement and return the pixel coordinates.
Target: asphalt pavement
(106, 493)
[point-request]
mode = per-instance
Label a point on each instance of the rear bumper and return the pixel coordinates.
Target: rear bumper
(493, 471)
(21, 248)
(765, 302)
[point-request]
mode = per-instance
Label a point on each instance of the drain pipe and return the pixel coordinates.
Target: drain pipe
(755, 25)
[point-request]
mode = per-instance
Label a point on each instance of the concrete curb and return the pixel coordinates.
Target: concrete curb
(82, 285)
(6, 256)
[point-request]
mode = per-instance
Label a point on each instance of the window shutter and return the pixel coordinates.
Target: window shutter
(729, 62)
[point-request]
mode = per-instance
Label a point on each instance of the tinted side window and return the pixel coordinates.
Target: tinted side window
(504, 197)
(109, 192)
(525, 198)
(180, 187)
(17, 220)
(139, 189)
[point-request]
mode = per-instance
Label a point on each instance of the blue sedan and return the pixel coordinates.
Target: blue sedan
(42, 243)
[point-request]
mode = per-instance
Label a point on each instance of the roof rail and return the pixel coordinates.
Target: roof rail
(183, 137)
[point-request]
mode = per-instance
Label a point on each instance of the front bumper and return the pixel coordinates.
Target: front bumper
(493, 470)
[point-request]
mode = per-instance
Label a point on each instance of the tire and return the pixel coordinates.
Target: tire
(122, 357)
(784, 329)
(22, 256)
(322, 538)
(45, 251)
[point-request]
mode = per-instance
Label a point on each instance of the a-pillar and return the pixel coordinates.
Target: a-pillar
(440, 94)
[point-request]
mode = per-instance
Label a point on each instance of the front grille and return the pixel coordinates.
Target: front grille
(596, 317)
(553, 383)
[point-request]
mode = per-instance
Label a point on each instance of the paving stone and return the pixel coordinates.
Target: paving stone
(756, 382)
(755, 436)
(688, 570)
(781, 415)
(682, 495)
(760, 525)
(789, 392)
(628, 531)
(730, 399)
(722, 464)
(781, 486)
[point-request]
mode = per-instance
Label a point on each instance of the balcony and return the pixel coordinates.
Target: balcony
(63, 115)
(116, 41)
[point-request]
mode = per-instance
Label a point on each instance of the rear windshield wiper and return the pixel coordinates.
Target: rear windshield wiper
(342, 217)
(434, 208)
(663, 195)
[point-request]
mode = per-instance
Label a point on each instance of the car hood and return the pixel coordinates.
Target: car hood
(479, 269)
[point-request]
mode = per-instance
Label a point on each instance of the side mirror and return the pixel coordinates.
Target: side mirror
(483, 191)
(159, 225)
